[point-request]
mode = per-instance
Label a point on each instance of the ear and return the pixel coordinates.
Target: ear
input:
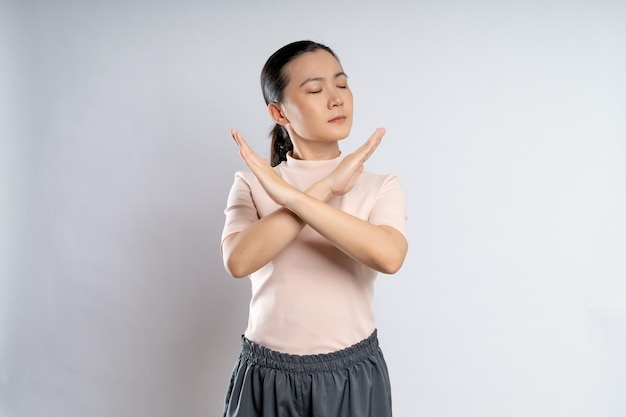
(276, 113)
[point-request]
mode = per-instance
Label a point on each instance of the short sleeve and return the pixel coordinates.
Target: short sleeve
(390, 206)
(240, 209)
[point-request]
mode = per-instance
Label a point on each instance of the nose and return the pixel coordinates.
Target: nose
(335, 100)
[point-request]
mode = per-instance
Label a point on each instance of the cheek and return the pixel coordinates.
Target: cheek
(349, 96)
(346, 96)
(307, 110)
(292, 111)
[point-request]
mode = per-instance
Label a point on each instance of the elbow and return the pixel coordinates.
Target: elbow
(236, 273)
(392, 261)
(234, 263)
(235, 268)
(388, 263)
(391, 266)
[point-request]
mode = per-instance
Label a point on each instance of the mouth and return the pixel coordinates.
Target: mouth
(337, 119)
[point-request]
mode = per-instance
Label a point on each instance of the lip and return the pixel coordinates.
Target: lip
(337, 119)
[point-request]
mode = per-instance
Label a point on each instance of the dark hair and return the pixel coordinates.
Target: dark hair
(273, 82)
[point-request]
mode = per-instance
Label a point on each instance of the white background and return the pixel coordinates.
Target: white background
(506, 122)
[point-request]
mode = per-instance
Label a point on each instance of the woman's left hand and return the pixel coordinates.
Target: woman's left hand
(277, 188)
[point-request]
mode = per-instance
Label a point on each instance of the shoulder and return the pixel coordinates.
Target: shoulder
(246, 178)
(249, 177)
(370, 180)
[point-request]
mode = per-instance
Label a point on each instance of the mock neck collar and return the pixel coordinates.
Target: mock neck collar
(309, 165)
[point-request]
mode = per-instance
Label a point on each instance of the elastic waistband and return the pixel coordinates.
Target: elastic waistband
(324, 362)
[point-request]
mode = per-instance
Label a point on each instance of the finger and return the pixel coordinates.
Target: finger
(245, 151)
(239, 140)
(377, 136)
(368, 148)
(233, 134)
(243, 145)
(373, 140)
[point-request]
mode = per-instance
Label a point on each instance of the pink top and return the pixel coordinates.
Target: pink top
(313, 298)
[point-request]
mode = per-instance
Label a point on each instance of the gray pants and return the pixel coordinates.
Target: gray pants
(351, 382)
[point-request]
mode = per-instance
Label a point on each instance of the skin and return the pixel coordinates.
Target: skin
(317, 113)
(314, 102)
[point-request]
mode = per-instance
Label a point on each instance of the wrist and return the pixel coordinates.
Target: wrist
(321, 190)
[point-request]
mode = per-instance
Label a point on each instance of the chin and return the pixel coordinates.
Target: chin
(340, 134)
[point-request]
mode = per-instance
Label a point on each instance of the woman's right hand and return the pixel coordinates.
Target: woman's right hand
(342, 179)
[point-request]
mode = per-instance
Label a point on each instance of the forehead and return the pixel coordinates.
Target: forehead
(315, 64)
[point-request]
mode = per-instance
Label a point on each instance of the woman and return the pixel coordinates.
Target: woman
(312, 230)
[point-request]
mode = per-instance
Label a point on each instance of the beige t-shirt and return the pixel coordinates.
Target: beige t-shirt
(313, 298)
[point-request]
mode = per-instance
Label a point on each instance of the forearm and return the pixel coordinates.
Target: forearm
(247, 251)
(380, 247)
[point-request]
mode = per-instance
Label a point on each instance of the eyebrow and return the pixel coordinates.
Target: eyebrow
(339, 74)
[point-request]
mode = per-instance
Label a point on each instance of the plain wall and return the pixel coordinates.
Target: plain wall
(506, 122)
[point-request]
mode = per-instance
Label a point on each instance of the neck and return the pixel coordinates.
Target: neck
(315, 150)
(315, 155)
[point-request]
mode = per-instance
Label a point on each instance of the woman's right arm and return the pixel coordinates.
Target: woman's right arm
(246, 251)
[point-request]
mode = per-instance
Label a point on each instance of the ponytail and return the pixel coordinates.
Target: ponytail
(281, 145)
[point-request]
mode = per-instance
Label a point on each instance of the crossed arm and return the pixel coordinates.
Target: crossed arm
(380, 247)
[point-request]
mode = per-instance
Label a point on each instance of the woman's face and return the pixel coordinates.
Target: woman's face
(317, 101)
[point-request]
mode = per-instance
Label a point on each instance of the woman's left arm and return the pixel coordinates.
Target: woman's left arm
(380, 247)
